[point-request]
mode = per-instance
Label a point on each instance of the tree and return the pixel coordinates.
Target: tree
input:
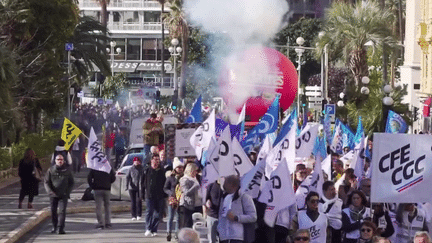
(308, 29)
(104, 12)
(89, 48)
(112, 86)
(349, 27)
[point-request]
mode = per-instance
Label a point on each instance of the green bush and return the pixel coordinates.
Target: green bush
(5, 159)
(42, 145)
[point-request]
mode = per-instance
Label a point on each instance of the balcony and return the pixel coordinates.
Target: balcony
(127, 26)
(122, 4)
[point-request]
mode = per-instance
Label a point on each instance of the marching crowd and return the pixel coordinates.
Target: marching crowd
(343, 213)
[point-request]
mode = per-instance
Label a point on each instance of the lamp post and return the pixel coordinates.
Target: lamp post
(175, 51)
(299, 50)
(112, 54)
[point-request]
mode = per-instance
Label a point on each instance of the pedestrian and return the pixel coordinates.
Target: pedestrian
(368, 230)
(154, 181)
(29, 171)
(133, 185)
(331, 206)
(235, 211)
(188, 235)
(312, 219)
(410, 219)
(100, 182)
(60, 149)
(169, 188)
(109, 143)
(190, 198)
(59, 182)
(76, 156)
(120, 146)
(152, 129)
(354, 215)
(213, 196)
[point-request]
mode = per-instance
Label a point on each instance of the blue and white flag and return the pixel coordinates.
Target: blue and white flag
(395, 123)
(336, 144)
(252, 140)
(327, 128)
(320, 148)
(313, 182)
(347, 136)
(289, 121)
(241, 122)
(222, 156)
(359, 133)
(242, 163)
(200, 139)
(269, 122)
(196, 115)
(235, 129)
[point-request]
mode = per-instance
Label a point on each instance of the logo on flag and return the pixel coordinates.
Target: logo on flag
(96, 159)
(70, 133)
(395, 123)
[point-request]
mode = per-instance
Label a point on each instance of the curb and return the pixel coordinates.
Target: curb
(43, 214)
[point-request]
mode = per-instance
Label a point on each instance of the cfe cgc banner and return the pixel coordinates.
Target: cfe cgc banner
(401, 168)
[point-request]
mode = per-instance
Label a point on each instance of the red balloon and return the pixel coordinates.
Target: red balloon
(255, 77)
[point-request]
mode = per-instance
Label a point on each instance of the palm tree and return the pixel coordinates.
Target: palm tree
(104, 12)
(89, 48)
(179, 28)
(349, 27)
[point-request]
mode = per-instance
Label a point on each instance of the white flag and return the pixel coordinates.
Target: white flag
(209, 173)
(200, 139)
(337, 142)
(358, 161)
(222, 156)
(326, 166)
(313, 182)
(242, 116)
(242, 163)
(306, 140)
(401, 168)
(284, 149)
(251, 181)
(96, 159)
(265, 148)
(277, 193)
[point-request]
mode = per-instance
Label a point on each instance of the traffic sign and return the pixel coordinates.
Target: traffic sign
(330, 109)
(69, 46)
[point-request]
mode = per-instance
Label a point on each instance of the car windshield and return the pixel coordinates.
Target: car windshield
(130, 157)
(135, 150)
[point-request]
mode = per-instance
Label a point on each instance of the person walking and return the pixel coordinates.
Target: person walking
(190, 189)
(59, 182)
(354, 215)
(100, 182)
(133, 185)
(29, 169)
(120, 146)
(154, 181)
(170, 189)
(213, 196)
(152, 129)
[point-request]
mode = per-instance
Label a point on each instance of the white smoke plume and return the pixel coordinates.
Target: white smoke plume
(248, 24)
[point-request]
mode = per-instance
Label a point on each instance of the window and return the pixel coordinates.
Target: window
(152, 17)
(149, 49)
(416, 86)
(159, 51)
(116, 17)
(131, 17)
(133, 49)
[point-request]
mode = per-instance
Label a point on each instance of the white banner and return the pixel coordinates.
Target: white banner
(251, 181)
(306, 140)
(242, 163)
(313, 182)
(277, 193)
(200, 139)
(265, 148)
(222, 156)
(326, 166)
(96, 159)
(209, 174)
(358, 161)
(401, 168)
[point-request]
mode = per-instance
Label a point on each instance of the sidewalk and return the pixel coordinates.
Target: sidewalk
(14, 222)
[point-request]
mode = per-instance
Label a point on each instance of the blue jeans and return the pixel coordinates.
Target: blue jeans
(136, 203)
(172, 212)
(154, 212)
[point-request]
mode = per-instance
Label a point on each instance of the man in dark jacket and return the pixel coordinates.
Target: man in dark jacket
(154, 181)
(213, 197)
(59, 183)
(100, 182)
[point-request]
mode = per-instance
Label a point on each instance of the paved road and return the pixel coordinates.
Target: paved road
(81, 228)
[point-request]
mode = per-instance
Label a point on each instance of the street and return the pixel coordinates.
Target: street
(80, 227)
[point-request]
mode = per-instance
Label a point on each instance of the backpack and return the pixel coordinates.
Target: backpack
(88, 194)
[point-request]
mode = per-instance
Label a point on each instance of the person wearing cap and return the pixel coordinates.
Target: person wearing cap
(169, 188)
(152, 129)
(133, 185)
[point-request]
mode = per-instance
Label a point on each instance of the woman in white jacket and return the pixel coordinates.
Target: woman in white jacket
(190, 195)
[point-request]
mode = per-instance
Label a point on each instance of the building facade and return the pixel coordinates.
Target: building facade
(136, 32)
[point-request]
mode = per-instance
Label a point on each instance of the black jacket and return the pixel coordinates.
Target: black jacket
(214, 194)
(134, 178)
(99, 180)
(170, 184)
(59, 181)
(153, 185)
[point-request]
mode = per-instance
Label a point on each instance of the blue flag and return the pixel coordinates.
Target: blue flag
(347, 136)
(320, 148)
(395, 123)
(270, 121)
(252, 140)
(286, 126)
(359, 132)
(234, 129)
(195, 116)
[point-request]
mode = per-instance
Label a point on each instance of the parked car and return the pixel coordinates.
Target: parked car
(118, 188)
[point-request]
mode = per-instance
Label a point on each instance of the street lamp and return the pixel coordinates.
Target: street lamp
(175, 51)
(299, 50)
(112, 54)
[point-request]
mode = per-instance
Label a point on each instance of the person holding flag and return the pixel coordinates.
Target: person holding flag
(60, 149)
